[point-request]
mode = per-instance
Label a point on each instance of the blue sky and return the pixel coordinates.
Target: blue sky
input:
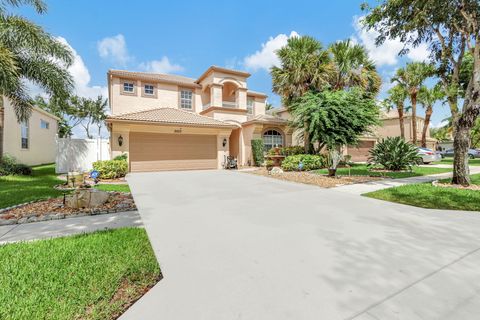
(186, 37)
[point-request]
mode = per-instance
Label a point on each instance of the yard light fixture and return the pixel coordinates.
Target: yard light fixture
(224, 142)
(120, 140)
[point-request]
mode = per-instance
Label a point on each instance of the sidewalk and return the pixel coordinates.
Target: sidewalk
(362, 188)
(66, 227)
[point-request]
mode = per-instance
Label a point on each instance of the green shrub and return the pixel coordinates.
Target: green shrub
(394, 154)
(288, 151)
(310, 162)
(123, 156)
(111, 169)
(257, 152)
(9, 166)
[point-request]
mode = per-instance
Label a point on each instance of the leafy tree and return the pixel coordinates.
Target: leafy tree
(475, 143)
(396, 99)
(76, 111)
(441, 134)
(335, 118)
(452, 29)
(411, 79)
(268, 106)
(353, 68)
(428, 97)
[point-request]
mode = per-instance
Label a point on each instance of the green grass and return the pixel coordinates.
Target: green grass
(427, 196)
(92, 276)
(362, 170)
(113, 187)
(17, 189)
(472, 162)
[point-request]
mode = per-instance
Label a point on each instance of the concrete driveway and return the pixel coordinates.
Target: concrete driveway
(232, 245)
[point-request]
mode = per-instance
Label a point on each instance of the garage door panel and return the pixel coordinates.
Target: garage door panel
(154, 151)
(361, 151)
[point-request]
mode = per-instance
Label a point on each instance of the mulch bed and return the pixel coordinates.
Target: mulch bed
(314, 178)
(117, 201)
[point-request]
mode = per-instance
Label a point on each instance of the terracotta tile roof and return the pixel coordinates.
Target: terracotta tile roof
(266, 118)
(170, 116)
(170, 78)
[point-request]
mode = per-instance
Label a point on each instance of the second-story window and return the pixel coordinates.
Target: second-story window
(128, 87)
(44, 124)
(186, 97)
(250, 106)
(148, 89)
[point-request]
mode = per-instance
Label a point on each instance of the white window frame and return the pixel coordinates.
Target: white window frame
(186, 99)
(145, 89)
(271, 140)
(250, 105)
(44, 124)
(127, 84)
(25, 135)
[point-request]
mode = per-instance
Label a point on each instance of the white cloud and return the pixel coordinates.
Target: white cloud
(387, 53)
(439, 125)
(115, 49)
(267, 57)
(161, 66)
(81, 76)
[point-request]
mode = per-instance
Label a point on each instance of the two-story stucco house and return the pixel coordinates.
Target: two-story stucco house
(170, 122)
(31, 142)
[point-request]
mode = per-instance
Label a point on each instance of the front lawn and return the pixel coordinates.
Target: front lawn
(362, 170)
(472, 162)
(18, 189)
(427, 196)
(91, 276)
(113, 187)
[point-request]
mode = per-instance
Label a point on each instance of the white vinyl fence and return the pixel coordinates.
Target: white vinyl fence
(79, 154)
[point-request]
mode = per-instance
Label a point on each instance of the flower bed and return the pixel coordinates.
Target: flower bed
(53, 209)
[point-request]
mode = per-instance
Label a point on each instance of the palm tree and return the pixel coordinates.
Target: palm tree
(428, 97)
(396, 99)
(411, 79)
(353, 68)
(27, 52)
(304, 66)
(99, 112)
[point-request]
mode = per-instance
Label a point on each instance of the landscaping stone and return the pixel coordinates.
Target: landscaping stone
(6, 222)
(276, 170)
(87, 198)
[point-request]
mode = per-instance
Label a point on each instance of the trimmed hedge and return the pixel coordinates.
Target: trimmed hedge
(310, 162)
(257, 152)
(111, 169)
(288, 151)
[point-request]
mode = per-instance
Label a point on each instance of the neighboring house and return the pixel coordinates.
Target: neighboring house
(31, 142)
(170, 122)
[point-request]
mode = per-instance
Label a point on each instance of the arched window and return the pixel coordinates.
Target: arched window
(272, 139)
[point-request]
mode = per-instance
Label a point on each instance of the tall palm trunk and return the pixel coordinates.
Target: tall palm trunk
(401, 120)
(413, 98)
(428, 115)
(2, 123)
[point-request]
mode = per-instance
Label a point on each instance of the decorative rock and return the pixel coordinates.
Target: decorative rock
(22, 220)
(6, 222)
(276, 170)
(32, 219)
(87, 198)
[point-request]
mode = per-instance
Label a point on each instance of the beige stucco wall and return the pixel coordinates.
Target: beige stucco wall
(42, 142)
(167, 96)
